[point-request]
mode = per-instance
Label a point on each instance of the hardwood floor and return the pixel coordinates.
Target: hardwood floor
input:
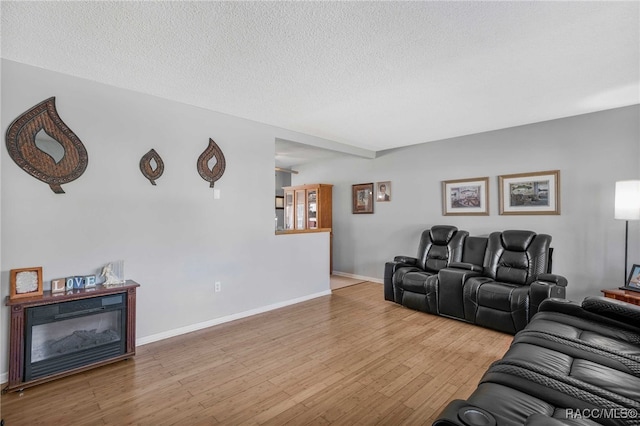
(337, 281)
(348, 358)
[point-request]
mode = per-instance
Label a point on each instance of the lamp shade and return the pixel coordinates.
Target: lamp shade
(628, 200)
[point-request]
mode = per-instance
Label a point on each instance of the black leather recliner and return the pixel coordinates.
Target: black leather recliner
(572, 365)
(497, 282)
(499, 299)
(413, 280)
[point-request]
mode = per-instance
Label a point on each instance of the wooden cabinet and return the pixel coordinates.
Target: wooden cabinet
(307, 207)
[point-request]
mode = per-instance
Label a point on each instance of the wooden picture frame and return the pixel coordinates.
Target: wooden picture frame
(465, 197)
(362, 198)
(536, 193)
(25, 282)
(383, 191)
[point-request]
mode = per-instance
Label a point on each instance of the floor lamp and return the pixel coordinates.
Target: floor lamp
(627, 208)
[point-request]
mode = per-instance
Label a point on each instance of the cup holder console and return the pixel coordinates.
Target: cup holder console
(472, 416)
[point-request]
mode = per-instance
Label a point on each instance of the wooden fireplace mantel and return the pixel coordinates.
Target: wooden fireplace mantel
(19, 309)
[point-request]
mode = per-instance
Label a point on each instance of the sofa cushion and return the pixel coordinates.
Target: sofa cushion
(557, 362)
(572, 326)
(501, 296)
(515, 406)
(438, 258)
(414, 281)
(516, 257)
(440, 245)
(607, 378)
(565, 363)
(512, 267)
(517, 240)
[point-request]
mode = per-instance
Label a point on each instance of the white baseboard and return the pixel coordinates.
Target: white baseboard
(358, 277)
(4, 377)
(199, 326)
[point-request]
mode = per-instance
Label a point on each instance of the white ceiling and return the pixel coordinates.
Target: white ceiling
(375, 75)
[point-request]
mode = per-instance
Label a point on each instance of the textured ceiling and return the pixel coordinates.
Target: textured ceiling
(376, 75)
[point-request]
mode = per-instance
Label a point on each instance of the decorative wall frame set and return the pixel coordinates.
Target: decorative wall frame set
(41, 144)
(362, 196)
(536, 193)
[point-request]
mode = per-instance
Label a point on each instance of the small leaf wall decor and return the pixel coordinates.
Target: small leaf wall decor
(41, 144)
(211, 173)
(152, 166)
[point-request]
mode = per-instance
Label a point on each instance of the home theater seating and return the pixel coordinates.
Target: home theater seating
(496, 282)
(569, 364)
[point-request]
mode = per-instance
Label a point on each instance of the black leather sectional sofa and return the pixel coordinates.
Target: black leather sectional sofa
(496, 281)
(572, 365)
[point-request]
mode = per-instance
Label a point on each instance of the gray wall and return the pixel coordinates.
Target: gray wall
(591, 151)
(175, 238)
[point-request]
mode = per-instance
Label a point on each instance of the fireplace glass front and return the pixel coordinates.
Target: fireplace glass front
(72, 334)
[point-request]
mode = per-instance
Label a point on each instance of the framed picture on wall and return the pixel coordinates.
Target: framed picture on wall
(383, 191)
(279, 202)
(465, 197)
(362, 197)
(530, 193)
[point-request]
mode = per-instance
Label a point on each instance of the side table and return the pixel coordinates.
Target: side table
(628, 296)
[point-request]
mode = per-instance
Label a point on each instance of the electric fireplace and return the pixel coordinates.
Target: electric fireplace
(53, 335)
(72, 334)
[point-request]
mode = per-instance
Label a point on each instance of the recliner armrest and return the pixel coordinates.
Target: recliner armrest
(461, 413)
(622, 319)
(561, 305)
(467, 266)
(553, 278)
(390, 268)
(611, 308)
(408, 260)
(545, 287)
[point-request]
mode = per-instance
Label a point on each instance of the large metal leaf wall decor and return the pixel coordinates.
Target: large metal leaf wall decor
(38, 128)
(208, 173)
(147, 163)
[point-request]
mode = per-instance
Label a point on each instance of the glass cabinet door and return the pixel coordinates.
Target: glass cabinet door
(312, 209)
(288, 210)
(300, 208)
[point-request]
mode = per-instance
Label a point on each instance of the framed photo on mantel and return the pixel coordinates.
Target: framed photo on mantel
(25, 282)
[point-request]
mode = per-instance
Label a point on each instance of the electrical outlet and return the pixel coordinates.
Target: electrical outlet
(217, 287)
